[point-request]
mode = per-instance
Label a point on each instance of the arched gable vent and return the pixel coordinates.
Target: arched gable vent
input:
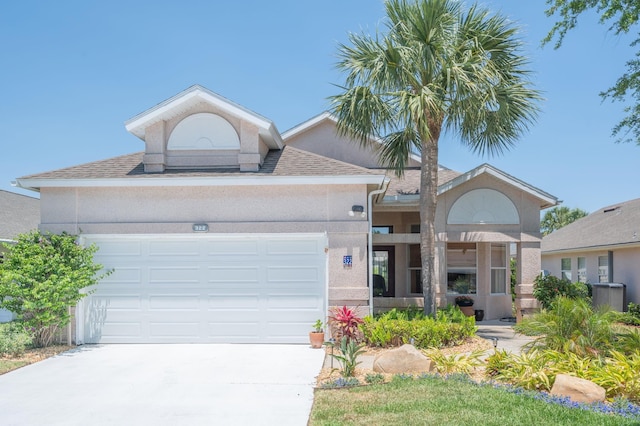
(483, 206)
(203, 131)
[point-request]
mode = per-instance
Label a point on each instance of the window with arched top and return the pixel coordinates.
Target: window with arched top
(203, 131)
(483, 206)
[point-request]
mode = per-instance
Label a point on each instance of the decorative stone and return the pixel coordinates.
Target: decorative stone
(405, 359)
(579, 390)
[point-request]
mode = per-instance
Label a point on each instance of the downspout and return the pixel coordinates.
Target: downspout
(385, 184)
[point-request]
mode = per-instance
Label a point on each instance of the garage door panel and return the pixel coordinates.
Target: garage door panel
(117, 330)
(230, 302)
(175, 274)
(244, 247)
(262, 288)
(123, 275)
(172, 302)
(184, 330)
(246, 330)
(115, 248)
(237, 274)
(173, 249)
(293, 274)
(295, 302)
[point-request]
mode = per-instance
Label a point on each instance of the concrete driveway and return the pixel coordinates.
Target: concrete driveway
(190, 384)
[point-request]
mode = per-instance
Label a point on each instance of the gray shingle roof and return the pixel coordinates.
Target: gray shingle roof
(18, 214)
(409, 184)
(618, 224)
(286, 162)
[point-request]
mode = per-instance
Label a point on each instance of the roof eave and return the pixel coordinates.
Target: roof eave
(602, 247)
(249, 180)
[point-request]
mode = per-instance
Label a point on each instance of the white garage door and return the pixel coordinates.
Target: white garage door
(206, 288)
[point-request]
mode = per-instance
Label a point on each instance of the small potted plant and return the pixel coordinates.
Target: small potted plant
(316, 337)
(465, 303)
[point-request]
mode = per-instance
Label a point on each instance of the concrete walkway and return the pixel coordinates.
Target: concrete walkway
(508, 339)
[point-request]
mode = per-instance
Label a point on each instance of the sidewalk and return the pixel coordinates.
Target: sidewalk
(508, 339)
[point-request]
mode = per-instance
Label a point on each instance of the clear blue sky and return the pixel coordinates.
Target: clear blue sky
(73, 71)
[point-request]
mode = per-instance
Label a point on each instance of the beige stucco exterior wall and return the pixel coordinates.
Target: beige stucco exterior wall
(626, 267)
(323, 140)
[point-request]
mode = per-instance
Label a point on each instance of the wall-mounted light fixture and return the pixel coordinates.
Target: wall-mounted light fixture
(357, 209)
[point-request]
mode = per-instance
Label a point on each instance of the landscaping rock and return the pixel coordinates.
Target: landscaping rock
(405, 359)
(579, 390)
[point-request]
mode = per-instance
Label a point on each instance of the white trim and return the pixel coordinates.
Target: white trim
(308, 124)
(256, 180)
(579, 250)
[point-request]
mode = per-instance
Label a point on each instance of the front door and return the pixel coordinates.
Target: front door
(384, 271)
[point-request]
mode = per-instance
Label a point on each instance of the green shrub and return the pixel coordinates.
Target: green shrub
(547, 288)
(450, 327)
(571, 325)
(41, 276)
(14, 340)
(627, 318)
(455, 363)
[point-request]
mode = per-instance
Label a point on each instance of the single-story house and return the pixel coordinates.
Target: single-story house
(603, 247)
(19, 214)
(223, 229)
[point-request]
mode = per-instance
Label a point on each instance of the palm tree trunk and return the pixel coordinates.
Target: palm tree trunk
(428, 200)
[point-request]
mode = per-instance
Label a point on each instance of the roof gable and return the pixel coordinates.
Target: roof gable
(187, 99)
(407, 188)
(319, 134)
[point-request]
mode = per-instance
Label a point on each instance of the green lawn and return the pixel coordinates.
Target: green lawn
(434, 401)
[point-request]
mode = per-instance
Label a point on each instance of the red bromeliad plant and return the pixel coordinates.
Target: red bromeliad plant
(346, 322)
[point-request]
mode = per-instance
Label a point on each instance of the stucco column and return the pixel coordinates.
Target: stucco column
(528, 258)
(440, 267)
(155, 139)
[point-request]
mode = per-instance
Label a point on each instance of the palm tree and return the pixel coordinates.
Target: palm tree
(558, 217)
(436, 68)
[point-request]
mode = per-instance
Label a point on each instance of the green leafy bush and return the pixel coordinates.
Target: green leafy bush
(455, 363)
(634, 310)
(537, 370)
(547, 288)
(450, 327)
(13, 339)
(573, 326)
(41, 276)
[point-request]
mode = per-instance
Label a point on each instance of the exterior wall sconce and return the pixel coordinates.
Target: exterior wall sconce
(357, 209)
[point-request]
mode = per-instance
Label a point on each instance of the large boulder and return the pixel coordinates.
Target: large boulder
(405, 359)
(579, 390)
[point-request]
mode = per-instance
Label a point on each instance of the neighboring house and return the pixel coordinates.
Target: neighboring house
(225, 230)
(603, 247)
(18, 214)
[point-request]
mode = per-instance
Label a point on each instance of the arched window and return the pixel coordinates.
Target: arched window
(483, 206)
(203, 131)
